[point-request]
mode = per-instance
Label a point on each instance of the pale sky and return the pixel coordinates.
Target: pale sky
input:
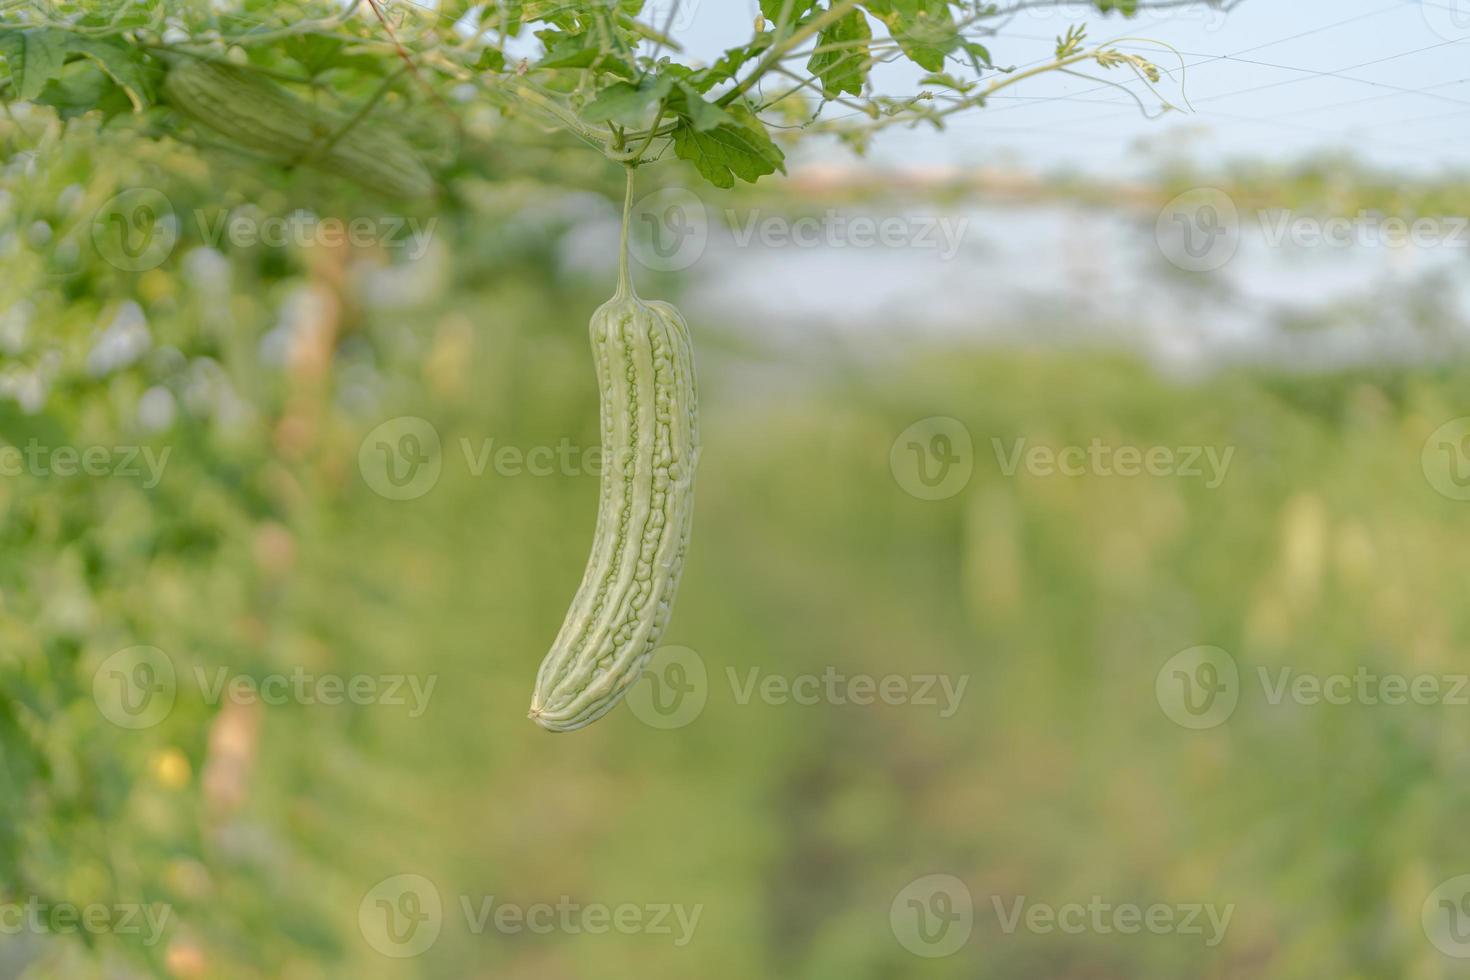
(1398, 92)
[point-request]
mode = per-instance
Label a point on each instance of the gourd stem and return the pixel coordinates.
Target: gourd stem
(625, 282)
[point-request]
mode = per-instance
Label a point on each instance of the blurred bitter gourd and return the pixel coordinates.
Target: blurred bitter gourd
(650, 443)
(257, 114)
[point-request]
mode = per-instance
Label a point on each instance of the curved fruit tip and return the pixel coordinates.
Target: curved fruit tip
(537, 715)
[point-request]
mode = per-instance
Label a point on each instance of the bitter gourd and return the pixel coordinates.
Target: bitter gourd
(260, 115)
(650, 442)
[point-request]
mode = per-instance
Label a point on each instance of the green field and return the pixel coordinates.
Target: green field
(991, 660)
(1020, 624)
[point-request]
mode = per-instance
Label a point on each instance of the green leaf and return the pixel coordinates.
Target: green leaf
(845, 69)
(731, 62)
(551, 11)
(126, 66)
(626, 104)
(771, 9)
(565, 50)
(505, 16)
(741, 148)
(979, 52)
(702, 114)
(314, 52)
(1126, 7)
(491, 59)
(945, 80)
(584, 50)
(34, 57)
(924, 29)
(82, 88)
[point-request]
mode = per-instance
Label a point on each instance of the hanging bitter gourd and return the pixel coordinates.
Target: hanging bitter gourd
(650, 443)
(254, 112)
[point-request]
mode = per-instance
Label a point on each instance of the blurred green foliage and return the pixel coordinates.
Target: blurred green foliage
(263, 550)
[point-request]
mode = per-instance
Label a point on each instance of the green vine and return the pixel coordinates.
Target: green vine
(597, 71)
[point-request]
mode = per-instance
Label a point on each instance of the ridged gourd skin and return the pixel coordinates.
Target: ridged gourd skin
(262, 116)
(650, 441)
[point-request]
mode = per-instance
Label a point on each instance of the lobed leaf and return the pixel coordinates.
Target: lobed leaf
(739, 148)
(34, 58)
(627, 104)
(844, 69)
(924, 29)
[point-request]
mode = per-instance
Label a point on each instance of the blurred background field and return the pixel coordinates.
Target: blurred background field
(264, 548)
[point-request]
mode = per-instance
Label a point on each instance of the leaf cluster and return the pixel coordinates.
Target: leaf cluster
(608, 72)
